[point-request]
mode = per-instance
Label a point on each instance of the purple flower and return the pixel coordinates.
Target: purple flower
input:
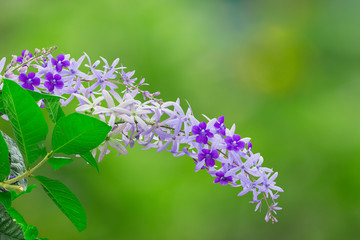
(234, 143)
(53, 81)
(74, 69)
(2, 65)
(29, 81)
(269, 184)
(209, 156)
(153, 123)
(219, 125)
(200, 164)
(103, 77)
(20, 59)
(71, 91)
(60, 62)
(202, 132)
(127, 77)
(248, 185)
(220, 178)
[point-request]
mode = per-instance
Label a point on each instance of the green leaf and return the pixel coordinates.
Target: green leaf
(15, 195)
(54, 110)
(17, 216)
(27, 121)
(31, 232)
(4, 159)
(58, 162)
(78, 134)
(5, 198)
(65, 200)
(88, 157)
(38, 96)
(17, 166)
(2, 108)
(9, 229)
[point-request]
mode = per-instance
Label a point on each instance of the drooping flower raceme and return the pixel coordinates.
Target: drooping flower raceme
(137, 116)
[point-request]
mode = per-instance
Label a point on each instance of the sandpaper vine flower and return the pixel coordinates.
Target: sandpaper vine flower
(138, 116)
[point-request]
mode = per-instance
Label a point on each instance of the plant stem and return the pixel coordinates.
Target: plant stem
(39, 56)
(11, 187)
(28, 172)
(128, 86)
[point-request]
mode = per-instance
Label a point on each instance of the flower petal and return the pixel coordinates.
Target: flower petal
(60, 57)
(23, 77)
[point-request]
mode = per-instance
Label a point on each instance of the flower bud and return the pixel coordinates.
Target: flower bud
(23, 69)
(8, 74)
(13, 60)
(26, 53)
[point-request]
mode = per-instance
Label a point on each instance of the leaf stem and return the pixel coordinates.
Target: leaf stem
(27, 172)
(11, 187)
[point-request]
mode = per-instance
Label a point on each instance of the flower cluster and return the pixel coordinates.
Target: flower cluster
(115, 97)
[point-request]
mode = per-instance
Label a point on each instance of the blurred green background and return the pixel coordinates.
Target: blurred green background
(286, 72)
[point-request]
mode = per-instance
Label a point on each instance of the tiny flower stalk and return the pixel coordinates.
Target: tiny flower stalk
(112, 95)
